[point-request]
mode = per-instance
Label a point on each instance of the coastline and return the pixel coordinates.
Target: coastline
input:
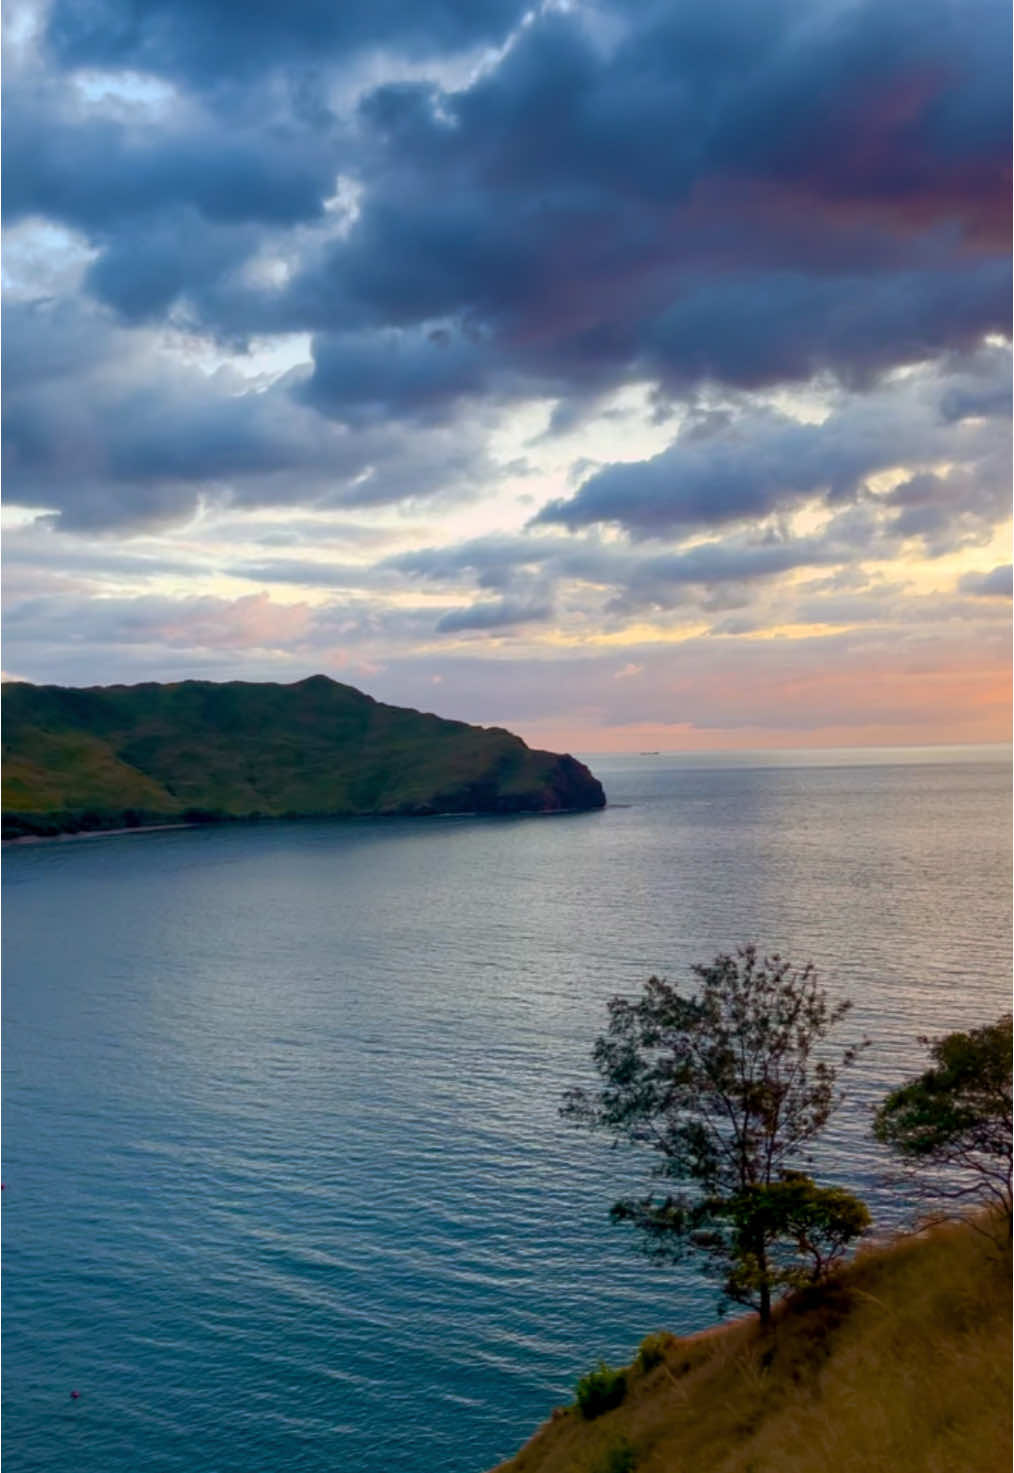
(141, 828)
(160, 828)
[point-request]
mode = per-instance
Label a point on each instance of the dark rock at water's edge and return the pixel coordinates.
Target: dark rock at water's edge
(83, 760)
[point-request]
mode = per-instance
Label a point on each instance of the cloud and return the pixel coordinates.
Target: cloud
(74, 161)
(110, 431)
(594, 584)
(889, 678)
(173, 205)
(778, 326)
(503, 614)
(995, 584)
(809, 211)
(761, 461)
(252, 622)
(107, 432)
(210, 42)
(416, 374)
(53, 632)
(280, 268)
(857, 686)
(829, 196)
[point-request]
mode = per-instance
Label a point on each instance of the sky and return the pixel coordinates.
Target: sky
(634, 375)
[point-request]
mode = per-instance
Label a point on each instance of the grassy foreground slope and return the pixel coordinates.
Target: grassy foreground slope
(902, 1364)
(114, 756)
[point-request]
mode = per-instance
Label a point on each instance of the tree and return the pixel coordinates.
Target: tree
(956, 1118)
(728, 1088)
(804, 1231)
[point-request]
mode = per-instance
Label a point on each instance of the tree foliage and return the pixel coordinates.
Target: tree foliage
(806, 1230)
(955, 1118)
(601, 1390)
(728, 1087)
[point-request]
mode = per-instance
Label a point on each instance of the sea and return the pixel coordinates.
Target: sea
(286, 1185)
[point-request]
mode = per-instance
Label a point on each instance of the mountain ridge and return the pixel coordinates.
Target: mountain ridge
(83, 758)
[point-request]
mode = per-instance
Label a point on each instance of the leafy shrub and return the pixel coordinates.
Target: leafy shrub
(601, 1390)
(620, 1458)
(652, 1350)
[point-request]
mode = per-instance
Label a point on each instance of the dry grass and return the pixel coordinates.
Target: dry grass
(901, 1365)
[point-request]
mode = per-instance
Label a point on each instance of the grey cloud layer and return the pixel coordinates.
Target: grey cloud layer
(997, 583)
(109, 432)
(463, 212)
(641, 192)
(747, 466)
(208, 43)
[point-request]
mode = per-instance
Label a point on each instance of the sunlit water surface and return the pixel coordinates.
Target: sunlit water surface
(286, 1186)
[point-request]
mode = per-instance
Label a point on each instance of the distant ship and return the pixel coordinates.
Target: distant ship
(651, 754)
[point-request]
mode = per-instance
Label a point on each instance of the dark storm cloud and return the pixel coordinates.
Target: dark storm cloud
(721, 196)
(173, 202)
(203, 42)
(552, 179)
(682, 196)
(96, 170)
(866, 103)
(144, 274)
(106, 431)
(980, 386)
(368, 376)
(886, 106)
(760, 329)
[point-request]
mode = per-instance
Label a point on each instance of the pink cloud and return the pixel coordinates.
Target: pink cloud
(254, 621)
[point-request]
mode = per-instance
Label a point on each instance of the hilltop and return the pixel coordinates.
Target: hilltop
(901, 1364)
(124, 756)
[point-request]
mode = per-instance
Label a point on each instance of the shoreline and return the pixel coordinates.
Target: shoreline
(160, 828)
(141, 828)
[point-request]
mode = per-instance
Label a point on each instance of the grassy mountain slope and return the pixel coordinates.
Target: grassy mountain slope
(900, 1365)
(108, 756)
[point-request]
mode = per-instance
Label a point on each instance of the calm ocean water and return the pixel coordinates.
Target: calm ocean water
(286, 1187)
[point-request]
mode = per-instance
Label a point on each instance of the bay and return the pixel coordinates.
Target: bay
(285, 1181)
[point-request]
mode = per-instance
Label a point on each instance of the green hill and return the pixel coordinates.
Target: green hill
(122, 756)
(901, 1364)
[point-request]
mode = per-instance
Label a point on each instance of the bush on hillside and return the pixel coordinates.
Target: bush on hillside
(651, 1351)
(620, 1458)
(601, 1390)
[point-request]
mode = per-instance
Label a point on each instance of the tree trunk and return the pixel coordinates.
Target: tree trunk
(765, 1305)
(765, 1288)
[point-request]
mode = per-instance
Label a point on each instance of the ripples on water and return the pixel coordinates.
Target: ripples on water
(286, 1184)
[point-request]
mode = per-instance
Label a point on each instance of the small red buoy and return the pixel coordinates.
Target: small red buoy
(74, 1395)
